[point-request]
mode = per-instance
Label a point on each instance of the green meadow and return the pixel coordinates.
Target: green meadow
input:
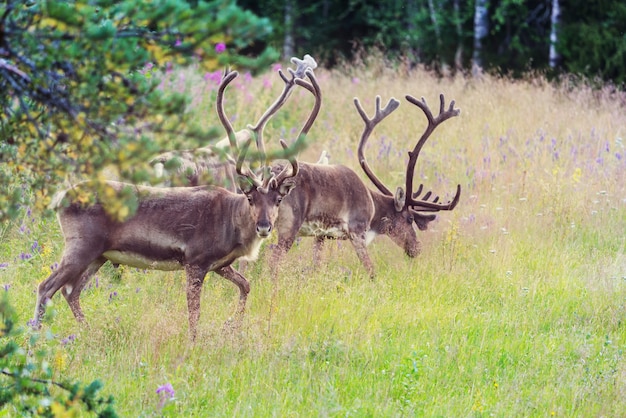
(516, 306)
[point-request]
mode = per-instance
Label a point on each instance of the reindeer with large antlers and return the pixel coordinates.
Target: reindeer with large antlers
(196, 229)
(207, 164)
(331, 201)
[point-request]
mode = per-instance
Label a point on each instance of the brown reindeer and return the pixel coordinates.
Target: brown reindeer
(331, 201)
(196, 229)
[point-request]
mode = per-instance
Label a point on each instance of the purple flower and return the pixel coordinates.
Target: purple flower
(6, 287)
(166, 391)
(70, 338)
(112, 295)
(178, 42)
(25, 256)
(4, 265)
(35, 247)
(220, 47)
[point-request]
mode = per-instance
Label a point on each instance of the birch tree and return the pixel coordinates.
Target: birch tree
(555, 21)
(481, 29)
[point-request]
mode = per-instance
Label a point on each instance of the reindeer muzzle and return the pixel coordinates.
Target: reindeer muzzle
(263, 229)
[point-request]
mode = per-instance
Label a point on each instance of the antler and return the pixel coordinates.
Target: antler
(314, 88)
(424, 204)
(226, 80)
(302, 66)
(369, 127)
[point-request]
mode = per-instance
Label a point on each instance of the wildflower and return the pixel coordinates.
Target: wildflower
(166, 393)
(220, 47)
(6, 287)
(276, 67)
(4, 265)
(178, 42)
(35, 247)
(112, 295)
(69, 339)
(166, 390)
(215, 76)
(25, 256)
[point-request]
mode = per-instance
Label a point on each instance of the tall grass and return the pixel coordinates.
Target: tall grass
(516, 306)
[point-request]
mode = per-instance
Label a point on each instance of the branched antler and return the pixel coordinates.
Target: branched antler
(304, 67)
(370, 124)
(424, 204)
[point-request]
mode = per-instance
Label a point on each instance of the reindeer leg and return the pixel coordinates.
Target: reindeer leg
(359, 243)
(67, 274)
(72, 292)
(195, 279)
(318, 246)
(285, 242)
(234, 276)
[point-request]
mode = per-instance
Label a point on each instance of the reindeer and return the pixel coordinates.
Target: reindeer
(195, 229)
(331, 201)
(207, 164)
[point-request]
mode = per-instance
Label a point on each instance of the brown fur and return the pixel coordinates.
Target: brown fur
(330, 198)
(198, 229)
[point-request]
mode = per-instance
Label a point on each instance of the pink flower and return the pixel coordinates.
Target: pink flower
(220, 47)
(215, 77)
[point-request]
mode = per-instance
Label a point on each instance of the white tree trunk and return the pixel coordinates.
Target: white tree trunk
(289, 46)
(458, 56)
(555, 21)
(481, 29)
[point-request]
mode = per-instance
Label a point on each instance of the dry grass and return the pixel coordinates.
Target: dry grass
(514, 308)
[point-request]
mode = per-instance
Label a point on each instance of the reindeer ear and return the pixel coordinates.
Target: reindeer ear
(399, 199)
(287, 186)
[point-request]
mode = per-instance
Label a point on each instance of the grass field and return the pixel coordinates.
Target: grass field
(516, 306)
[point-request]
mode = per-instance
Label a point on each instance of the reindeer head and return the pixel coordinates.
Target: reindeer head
(263, 188)
(402, 208)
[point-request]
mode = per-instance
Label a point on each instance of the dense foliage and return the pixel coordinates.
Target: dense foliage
(29, 385)
(78, 91)
(591, 35)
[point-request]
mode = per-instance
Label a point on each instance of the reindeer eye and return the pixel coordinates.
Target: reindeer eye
(409, 219)
(249, 198)
(278, 200)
